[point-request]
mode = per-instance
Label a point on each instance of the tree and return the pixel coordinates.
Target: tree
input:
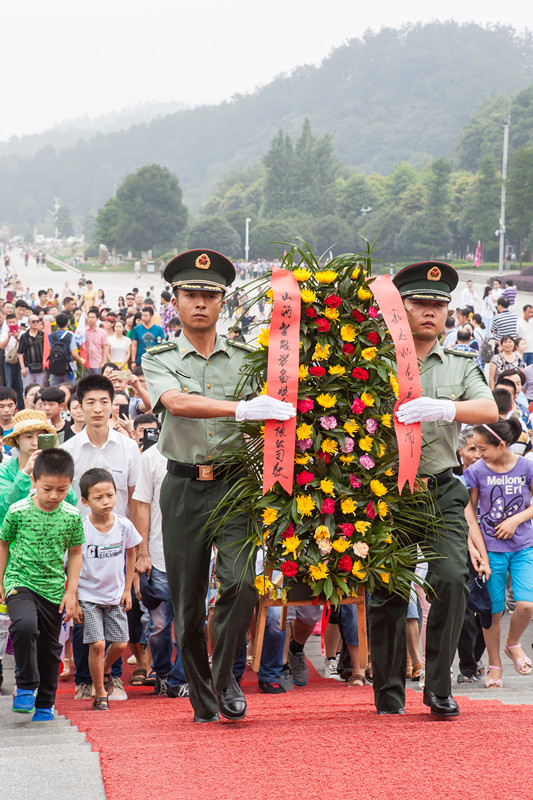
(479, 217)
(64, 224)
(214, 233)
(106, 224)
(279, 164)
(435, 228)
(520, 194)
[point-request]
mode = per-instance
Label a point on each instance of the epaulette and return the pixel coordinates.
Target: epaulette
(157, 349)
(460, 353)
(242, 345)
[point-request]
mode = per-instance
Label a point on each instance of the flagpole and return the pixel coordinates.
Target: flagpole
(501, 231)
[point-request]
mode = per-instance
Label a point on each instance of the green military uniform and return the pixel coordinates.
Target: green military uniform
(186, 502)
(450, 375)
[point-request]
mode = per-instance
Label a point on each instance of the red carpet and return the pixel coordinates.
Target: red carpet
(322, 742)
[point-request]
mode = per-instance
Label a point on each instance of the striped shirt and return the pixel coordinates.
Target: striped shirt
(505, 324)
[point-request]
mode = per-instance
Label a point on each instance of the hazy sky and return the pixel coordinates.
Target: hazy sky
(65, 58)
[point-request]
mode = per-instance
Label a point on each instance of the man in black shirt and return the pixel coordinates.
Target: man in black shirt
(30, 353)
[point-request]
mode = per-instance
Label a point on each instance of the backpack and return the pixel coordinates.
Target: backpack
(487, 350)
(59, 359)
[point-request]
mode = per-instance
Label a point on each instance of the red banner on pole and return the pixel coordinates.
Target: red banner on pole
(282, 379)
(409, 436)
(46, 343)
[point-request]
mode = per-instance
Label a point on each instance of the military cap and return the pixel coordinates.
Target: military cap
(429, 280)
(200, 270)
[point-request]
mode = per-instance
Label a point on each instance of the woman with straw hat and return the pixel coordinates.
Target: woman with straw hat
(15, 472)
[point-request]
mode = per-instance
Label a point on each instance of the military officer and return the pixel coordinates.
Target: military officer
(454, 391)
(193, 382)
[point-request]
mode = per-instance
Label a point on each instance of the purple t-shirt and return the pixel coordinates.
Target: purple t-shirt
(502, 495)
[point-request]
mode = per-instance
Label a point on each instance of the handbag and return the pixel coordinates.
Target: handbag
(36, 367)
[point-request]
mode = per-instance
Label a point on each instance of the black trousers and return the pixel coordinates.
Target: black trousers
(35, 629)
(471, 644)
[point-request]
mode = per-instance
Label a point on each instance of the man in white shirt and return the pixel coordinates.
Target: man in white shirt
(525, 331)
(469, 296)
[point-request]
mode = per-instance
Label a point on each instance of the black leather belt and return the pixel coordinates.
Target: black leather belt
(198, 472)
(438, 480)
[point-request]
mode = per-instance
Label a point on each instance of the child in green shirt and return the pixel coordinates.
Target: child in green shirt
(35, 535)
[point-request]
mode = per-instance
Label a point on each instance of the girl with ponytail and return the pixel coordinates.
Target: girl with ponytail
(502, 483)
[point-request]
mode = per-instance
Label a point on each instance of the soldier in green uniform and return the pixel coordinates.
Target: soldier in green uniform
(193, 382)
(454, 391)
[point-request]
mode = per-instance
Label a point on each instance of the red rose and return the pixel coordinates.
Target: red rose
(347, 529)
(325, 456)
(290, 568)
(360, 374)
(310, 312)
(323, 325)
(333, 301)
(357, 315)
(288, 532)
(358, 406)
(373, 337)
(371, 514)
(304, 477)
(318, 371)
(348, 349)
(304, 405)
(328, 506)
(344, 563)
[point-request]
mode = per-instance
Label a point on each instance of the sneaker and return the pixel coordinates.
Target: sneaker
(465, 678)
(298, 667)
(131, 660)
(330, 669)
(83, 691)
(43, 715)
(422, 681)
(178, 691)
(270, 687)
(24, 701)
(161, 685)
(119, 693)
(285, 679)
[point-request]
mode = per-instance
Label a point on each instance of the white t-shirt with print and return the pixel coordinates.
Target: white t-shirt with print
(102, 577)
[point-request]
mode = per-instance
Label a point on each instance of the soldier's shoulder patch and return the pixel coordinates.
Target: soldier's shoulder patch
(163, 347)
(460, 353)
(241, 345)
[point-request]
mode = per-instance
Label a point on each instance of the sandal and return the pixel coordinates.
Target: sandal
(66, 667)
(409, 669)
(101, 704)
(417, 672)
(149, 680)
(356, 680)
(490, 683)
(138, 677)
(108, 682)
(368, 674)
(521, 665)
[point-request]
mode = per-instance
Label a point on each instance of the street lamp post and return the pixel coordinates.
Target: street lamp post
(501, 230)
(246, 239)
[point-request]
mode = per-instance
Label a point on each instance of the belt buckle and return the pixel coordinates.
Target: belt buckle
(205, 472)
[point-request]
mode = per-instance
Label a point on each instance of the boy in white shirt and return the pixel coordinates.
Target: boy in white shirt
(104, 591)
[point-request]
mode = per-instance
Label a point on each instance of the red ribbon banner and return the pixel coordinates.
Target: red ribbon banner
(282, 379)
(409, 436)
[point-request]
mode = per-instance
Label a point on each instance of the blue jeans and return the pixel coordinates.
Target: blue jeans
(272, 652)
(160, 634)
(56, 380)
(14, 381)
(528, 358)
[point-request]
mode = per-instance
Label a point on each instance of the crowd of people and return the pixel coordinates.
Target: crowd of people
(79, 419)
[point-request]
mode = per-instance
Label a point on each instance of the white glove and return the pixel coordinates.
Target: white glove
(264, 407)
(425, 409)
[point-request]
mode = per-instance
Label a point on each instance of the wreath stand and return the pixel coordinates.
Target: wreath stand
(266, 601)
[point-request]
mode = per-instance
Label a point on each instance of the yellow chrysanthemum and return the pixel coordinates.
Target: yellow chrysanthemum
(378, 488)
(361, 526)
(270, 515)
(303, 371)
(365, 443)
(348, 506)
(381, 449)
(269, 296)
(322, 532)
(337, 370)
(305, 504)
(389, 473)
(386, 419)
(385, 576)
(355, 274)
(326, 400)
(388, 539)
(263, 584)
(326, 276)
(348, 333)
(263, 388)
(340, 545)
(304, 431)
(302, 274)
(291, 545)
(346, 459)
(322, 352)
(393, 380)
(308, 296)
(326, 486)
(368, 399)
(369, 353)
(351, 427)
(318, 572)
(359, 571)
(329, 446)
(364, 294)
(383, 509)
(262, 337)
(331, 313)
(303, 459)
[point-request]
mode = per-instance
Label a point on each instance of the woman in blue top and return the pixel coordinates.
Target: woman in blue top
(502, 482)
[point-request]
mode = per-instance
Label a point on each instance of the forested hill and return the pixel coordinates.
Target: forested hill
(398, 95)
